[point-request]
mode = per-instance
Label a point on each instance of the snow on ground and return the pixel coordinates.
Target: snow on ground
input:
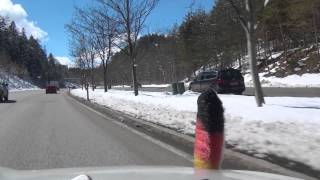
(156, 85)
(286, 126)
(121, 86)
(15, 83)
(276, 55)
(145, 85)
(306, 80)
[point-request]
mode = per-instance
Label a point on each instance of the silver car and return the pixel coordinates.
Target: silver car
(4, 92)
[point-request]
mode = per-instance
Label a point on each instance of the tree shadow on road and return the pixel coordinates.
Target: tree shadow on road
(8, 102)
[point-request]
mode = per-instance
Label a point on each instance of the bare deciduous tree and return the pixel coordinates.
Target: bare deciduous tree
(105, 32)
(80, 30)
(248, 21)
(82, 49)
(101, 27)
(131, 15)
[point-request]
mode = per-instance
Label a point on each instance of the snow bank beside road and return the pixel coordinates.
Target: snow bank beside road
(156, 85)
(145, 85)
(15, 83)
(118, 86)
(306, 80)
(286, 126)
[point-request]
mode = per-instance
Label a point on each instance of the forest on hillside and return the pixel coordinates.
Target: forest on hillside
(286, 35)
(213, 39)
(24, 56)
(217, 40)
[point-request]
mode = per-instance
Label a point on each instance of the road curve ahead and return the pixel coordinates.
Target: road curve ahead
(41, 131)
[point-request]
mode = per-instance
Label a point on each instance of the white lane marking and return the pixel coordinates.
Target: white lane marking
(143, 135)
(157, 142)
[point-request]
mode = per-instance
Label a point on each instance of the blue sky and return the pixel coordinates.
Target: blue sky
(51, 16)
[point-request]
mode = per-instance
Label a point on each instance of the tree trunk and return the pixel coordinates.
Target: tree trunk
(266, 49)
(82, 81)
(254, 69)
(87, 88)
(284, 42)
(92, 73)
(259, 48)
(105, 64)
(239, 62)
(251, 43)
(105, 78)
(105, 83)
(134, 77)
(314, 20)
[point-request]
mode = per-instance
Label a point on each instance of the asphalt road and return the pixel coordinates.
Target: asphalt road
(41, 131)
(292, 92)
(268, 91)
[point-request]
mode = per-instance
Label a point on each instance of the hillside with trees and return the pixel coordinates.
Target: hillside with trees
(287, 43)
(285, 39)
(24, 57)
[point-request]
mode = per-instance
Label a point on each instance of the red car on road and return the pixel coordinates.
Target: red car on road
(51, 90)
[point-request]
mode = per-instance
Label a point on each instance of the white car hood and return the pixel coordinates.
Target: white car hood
(137, 173)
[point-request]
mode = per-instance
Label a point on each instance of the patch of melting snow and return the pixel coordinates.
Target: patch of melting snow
(297, 69)
(276, 55)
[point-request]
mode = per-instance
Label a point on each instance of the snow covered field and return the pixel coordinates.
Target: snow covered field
(306, 80)
(286, 126)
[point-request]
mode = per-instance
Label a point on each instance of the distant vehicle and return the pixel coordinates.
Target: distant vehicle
(4, 92)
(54, 83)
(51, 90)
(222, 81)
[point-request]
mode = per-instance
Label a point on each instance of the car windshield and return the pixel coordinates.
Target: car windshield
(230, 75)
(159, 86)
(208, 75)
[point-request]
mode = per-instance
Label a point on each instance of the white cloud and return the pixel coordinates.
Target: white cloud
(15, 12)
(65, 61)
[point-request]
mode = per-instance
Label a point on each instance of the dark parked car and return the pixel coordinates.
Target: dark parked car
(4, 92)
(51, 90)
(223, 81)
